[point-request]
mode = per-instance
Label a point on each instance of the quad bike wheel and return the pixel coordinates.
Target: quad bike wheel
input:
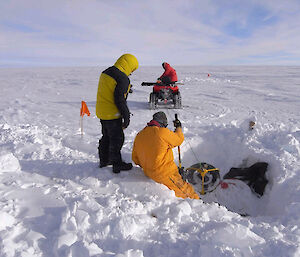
(153, 101)
(177, 101)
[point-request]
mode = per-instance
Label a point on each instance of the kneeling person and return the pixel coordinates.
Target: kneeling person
(152, 151)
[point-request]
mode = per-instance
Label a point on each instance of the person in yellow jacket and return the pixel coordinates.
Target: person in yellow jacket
(152, 151)
(113, 112)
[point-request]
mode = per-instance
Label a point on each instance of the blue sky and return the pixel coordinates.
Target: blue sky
(181, 32)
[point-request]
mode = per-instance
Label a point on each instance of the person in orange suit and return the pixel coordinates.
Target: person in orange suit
(152, 151)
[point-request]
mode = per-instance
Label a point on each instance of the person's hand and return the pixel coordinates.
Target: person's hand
(177, 123)
(125, 123)
(182, 173)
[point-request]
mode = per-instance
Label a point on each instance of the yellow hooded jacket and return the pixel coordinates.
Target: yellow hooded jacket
(152, 150)
(113, 88)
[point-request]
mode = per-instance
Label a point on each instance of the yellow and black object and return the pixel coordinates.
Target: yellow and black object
(203, 176)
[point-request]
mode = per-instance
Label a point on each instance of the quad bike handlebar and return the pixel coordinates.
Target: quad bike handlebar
(160, 84)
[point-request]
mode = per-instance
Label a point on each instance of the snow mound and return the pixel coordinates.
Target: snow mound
(237, 145)
(9, 163)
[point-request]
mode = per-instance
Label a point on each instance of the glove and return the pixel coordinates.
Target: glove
(125, 123)
(182, 173)
(177, 123)
(130, 89)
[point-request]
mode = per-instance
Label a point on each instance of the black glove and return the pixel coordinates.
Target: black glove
(130, 89)
(177, 123)
(126, 122)
(182, 173)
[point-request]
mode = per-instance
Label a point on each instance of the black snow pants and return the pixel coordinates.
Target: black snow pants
(111, 142)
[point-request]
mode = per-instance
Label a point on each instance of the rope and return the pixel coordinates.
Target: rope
(193, 151)
(190, 147)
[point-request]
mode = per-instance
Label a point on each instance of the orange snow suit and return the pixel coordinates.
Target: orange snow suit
(152, 150)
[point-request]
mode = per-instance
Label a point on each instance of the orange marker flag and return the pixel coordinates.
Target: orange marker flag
(84, 109)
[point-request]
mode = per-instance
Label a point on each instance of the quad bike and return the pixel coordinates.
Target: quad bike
(164, 93)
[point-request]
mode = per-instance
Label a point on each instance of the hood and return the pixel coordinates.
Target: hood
(127, 63)
(166, 66)
(153, 123)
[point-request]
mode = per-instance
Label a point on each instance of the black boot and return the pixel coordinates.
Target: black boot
(121, 166)
(104, 164)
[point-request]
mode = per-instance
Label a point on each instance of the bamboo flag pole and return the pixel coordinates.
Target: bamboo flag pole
(179, 155)
(81, 125)
(83, 110)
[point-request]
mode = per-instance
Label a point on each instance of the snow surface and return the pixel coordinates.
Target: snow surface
(55, 201)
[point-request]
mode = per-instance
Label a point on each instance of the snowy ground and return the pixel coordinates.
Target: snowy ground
(55, 201)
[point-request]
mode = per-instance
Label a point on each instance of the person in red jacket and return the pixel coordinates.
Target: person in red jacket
(169, 76)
